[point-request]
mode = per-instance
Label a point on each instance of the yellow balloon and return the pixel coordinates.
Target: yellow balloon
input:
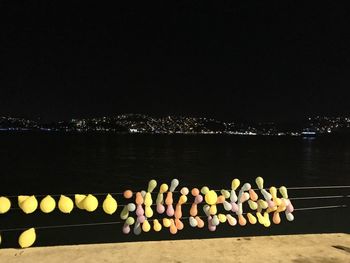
(259, 182)
(235, 183)
(21, 199)
(146, 227)
(5, 205)
(27, 238)
(251, 218)
(261, 219)
(148, 199)
(211, 197)
(148, 211)
(213, 210)
(253, 205)
(182, 199)
(109, 205)
(283, 191)
(29, 205)
(79, 201)
(163, 188)
(166, 222)
(130, 221)
(65, 204)
(156, 225)
(90, 203)
(48, 204)
(222, 218)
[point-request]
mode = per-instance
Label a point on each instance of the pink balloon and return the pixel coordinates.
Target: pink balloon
(170, 210)
(139, 210)
(160, 208)
(211, 227)
(234, 207)
(141, 219)
(290, 208)
(198, 199)
(126, 229)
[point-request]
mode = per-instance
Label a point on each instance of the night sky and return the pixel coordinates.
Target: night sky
(249, 60)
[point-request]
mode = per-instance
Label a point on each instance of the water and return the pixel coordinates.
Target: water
(55, 163)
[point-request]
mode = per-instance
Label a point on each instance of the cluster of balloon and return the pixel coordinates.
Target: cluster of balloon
(232, 202)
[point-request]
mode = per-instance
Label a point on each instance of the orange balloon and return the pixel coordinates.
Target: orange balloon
(253, 195)
(178, 212)
(139, 199)
(195, 191)
(276, 219)
(173, 228)
(169, 198)
(199, 221)
(241, 220)
(179, 225)
(221, 199)
(127, 194)
(194, 210)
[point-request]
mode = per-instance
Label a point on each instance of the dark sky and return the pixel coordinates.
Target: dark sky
(250, 60)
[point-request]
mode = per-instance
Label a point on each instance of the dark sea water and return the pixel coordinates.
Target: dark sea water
(59, 163)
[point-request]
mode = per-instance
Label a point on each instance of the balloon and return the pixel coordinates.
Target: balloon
(148, 202)
(124, 213)
(211, 197)
(90, 203)
(143, 193)
(231, 220)
(173, 228)
(200, 222)
(241, 220)
(262, 204)
(174, 183)
(131, 207)
(276, 218)
(253, 205)
(109, 205)
(259, 182)
(234, 207)
(29, 205)
(151, 185)
(267, 219)
(266, 194)
(193, 222)
(261, 219)
(240, 209)
(233, 196)
(166, 222)
(139, 210)
(213, 209)
(246, 187)
(65, 204)
(184, 191)
(5, 205)
(146, 227)
(289, 216)
(139, 198)
(253, 195)
(215, 220)
(211, 226)
(222, 218)
(283, 192)
(130, 221)
(126, 229)
(163, 188)
(27, 238)
(137, 228)
(156, 225)
(141, 219)
(169, 198)
(244, 197)
(195, 191)
(170, 210)
(47, 204)
(227, 206)
(127, 194)
(221, 199)
(204, 190)
(160, 209)
(290, 208)
(206, 209)
(225, 193)
(21, 199)
(182, 199)
(179, 225)
(79, 201)
(252, 219)
(235, 183)
(178, 212)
